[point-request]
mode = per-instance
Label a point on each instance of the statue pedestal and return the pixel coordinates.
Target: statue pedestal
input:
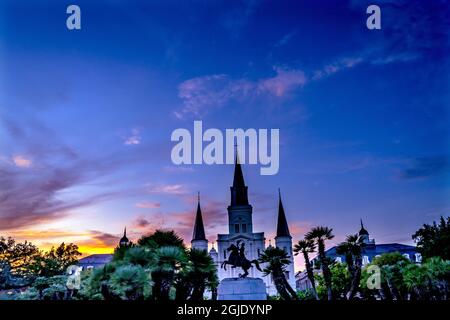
(242, 289)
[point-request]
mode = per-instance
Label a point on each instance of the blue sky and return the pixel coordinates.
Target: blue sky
(86, 116)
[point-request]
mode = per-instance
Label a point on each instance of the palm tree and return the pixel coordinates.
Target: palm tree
(319, 235)
(276, 260)
(306, 247)
(162, 238)
(199, 274)
(352, 248)
(169, 261)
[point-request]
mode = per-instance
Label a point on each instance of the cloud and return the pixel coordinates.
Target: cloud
(178, 169)
(22, 161)
(148, 205)
(134, 138)
(286, 38)
(214, 91)
(334, 67)
(411, 30)
(426, 167)
(166, 188)
(36, 196)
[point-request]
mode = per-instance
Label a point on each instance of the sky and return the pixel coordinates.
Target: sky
(86, 116)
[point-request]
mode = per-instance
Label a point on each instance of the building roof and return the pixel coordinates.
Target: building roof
(377, 249)
(282, 225)
(95, 259)
(199, 230)
(124, 238)
(363, 231)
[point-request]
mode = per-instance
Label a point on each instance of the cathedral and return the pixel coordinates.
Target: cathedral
(240, 231)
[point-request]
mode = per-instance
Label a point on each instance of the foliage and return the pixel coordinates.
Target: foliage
(276, 260)
(434, 240)
(352, 248)
(320, 235)
(162, 238)
(306, 247)
(56, 261)
(21, 263)
(340, 282)
(18, 263)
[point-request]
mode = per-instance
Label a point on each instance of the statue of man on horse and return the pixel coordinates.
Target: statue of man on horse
(237, 259)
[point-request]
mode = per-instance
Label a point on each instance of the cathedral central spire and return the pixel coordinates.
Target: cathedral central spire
(239, 195)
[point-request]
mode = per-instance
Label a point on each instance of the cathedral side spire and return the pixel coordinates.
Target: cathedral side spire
(282, 225)
(199, 230)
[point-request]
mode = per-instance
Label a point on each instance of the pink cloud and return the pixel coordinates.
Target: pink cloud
(167, 189)
(214, 91)
(22, 161)
(148, 205)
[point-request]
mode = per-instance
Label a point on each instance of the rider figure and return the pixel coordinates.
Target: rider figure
(242, 252)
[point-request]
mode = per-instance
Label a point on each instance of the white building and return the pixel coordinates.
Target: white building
(240, 228)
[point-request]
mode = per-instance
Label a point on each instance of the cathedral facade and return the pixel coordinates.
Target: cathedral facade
(240, 232)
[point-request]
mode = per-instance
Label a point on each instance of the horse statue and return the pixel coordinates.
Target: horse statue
(237, 259)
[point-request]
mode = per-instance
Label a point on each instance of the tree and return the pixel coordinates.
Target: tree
(162, 238)
(319, 235)
(391, 265)
(56, 261)
(199, 274)
(352, 248)
(434, 240)
(340, 280)
(18, 263)
(276, 260)
(169, 261)
(306, 247)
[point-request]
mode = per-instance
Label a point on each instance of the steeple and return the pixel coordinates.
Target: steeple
(239, 195)
(124, 241)
(282, 225)
(363, 231)
(199, 230)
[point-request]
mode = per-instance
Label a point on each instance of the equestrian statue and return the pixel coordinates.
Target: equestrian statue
(237, 259)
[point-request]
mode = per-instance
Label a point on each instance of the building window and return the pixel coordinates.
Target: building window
(244, 228)
(365, 260)
(286, 273)
(236, 228)
(418, 257)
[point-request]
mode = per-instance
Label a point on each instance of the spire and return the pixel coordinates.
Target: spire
(239, 189)
(199, 230)
(282, 226)
(124, 241)
(363, 231)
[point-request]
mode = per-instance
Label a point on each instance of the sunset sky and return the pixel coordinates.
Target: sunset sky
(86, 116)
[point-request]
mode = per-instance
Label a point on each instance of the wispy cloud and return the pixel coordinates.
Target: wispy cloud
(134, 138)
(166, 188)
(425, 167)
(148, 205)
(336, 66)
(214, 91)
(285, 39)
(35, 196)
